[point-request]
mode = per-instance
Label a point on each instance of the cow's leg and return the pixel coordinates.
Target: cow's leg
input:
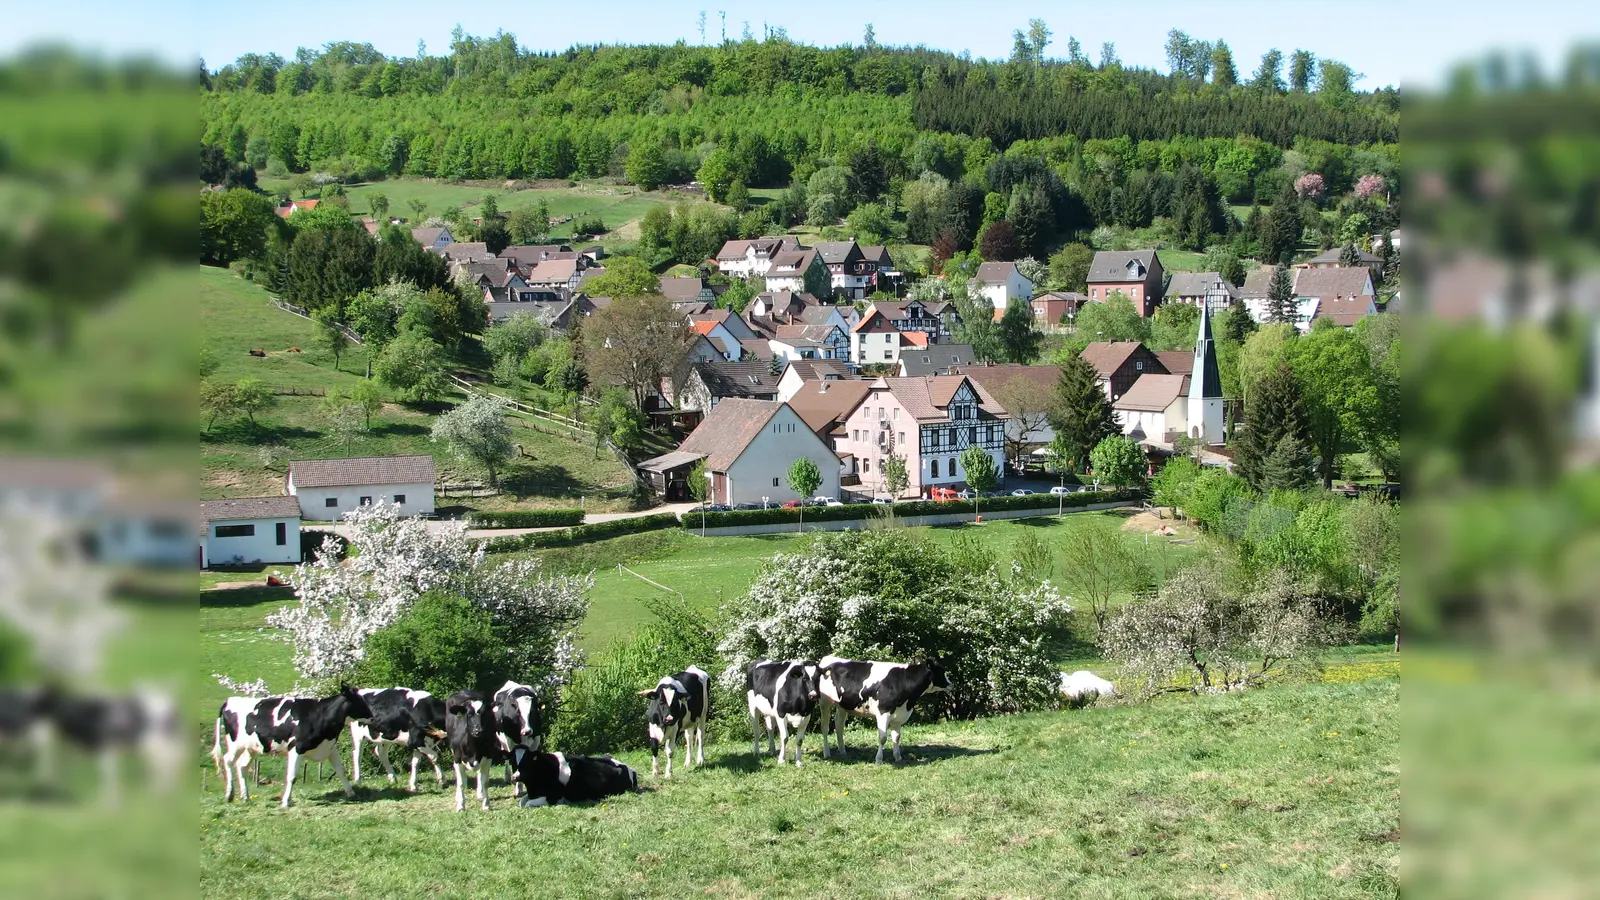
(755, 735)
(783, 738)
(412, 784)
(461, 802)
(226, 767)
(338, 767)
(483, 791)
(655, 761)
(669, 744)
(700, 745)
(800, 741)
(896, 734)
(688, 741)
(355, 751)
(244, 787)
(883, 734)
(840, 720)
(108, 774)
(292, 767)
(433, 757)
(382, 750)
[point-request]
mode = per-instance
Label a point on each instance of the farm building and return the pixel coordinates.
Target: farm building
(249, 530)
(329, 488)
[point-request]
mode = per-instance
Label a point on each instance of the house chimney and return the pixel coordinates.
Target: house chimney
(822, 386)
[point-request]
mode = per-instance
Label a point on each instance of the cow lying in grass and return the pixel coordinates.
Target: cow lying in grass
(551, 778)
(1083, 687)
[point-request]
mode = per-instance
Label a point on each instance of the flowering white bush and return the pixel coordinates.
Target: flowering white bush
(888, 595)
(397, 559)
(53, 596)
(1205, 632)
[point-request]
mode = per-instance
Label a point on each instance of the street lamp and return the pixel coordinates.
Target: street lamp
(763, 502)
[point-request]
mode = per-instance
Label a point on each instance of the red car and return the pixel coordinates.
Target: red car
(793, 504)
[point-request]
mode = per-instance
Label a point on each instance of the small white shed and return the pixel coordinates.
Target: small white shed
(249, 530)
(329, 488)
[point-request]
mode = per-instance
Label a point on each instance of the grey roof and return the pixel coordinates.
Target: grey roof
(532, 254)
(554, 313)
(995, 272)
(1153, 392)
(1335, 282)
(1256, 284)
(1333, 255)
(836, 252)
(935, 358)
(739, 379)
(250, 508)
(668, 461)
(362, 470)
(1204, 366)
(426, 236)
(1196, 284)
(682, 288)
(467, 250)
(1112, 265)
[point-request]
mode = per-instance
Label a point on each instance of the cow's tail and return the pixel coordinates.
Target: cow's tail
(216, 741)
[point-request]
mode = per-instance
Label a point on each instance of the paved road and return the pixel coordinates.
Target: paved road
(499, 532)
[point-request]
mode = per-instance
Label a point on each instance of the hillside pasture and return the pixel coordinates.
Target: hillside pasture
(239, 459)
(1288, 791)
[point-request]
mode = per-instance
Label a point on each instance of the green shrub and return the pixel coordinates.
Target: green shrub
(731, 518)
(443, 644)
(601, 710)
(525, 518)
(578, 533)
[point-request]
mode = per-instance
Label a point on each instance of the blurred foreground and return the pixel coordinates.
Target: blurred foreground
(97, 462)
(1502, 429)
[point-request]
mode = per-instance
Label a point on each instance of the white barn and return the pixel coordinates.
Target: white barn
(249, 530)
(748, 446)
(329, 488)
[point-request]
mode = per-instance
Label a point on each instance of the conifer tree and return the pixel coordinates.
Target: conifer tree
(1082, 416)
(1276, 411)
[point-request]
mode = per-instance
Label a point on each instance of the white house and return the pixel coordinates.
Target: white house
(800, 371)
(718, 335)
(1155, 408)
(749, 445)
(753, 257)
(249, 530)
(809, 342)
(791, 268)
(329, 488)
(433, 239)
(1000, 283)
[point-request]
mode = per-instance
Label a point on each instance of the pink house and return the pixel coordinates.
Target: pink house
(928, 420)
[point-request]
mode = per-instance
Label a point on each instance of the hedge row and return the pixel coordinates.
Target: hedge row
(525, 518)
(579, 533)
(691, 521)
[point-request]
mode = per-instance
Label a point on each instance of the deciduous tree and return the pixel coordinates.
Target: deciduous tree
(1118, 460)
(413, 364)
(979, 472)
(636, 342)
(1019, 340)
(477, 432)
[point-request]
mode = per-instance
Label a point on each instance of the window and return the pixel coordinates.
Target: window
(952, 467)
(901, 437)
(366, 501)
(281, 535)
(331, 502)
(1139, 366)
(774, 482)
(866, 465)
(896, 414)
(236, 531)
(400, 499)
(935, 465)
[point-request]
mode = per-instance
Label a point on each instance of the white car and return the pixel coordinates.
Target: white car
(1022, 492)
(820, 500)
(1058, 490)
(882, 500)
(831, 502)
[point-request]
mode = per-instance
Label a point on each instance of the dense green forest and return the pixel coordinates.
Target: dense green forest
(491, 110)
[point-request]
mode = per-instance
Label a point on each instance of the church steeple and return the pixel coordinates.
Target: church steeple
(1206, 380)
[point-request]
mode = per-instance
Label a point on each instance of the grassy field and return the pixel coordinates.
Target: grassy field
(618, 205)
(240, 459)
(707, 571)
(1289, 791)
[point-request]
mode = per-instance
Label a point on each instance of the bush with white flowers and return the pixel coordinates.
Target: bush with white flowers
(890, 595)
(398, 559)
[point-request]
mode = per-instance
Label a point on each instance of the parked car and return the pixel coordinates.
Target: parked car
(966, 494)
(882, 499)
(747, 506)
(1060, 489)
(709, 507)
(832, 502)
(820, 500)
(1022, 492)
(793, 504)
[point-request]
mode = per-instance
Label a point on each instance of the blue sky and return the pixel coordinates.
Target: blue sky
(1389, 41)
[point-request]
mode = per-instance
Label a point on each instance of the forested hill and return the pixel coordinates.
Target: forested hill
(490, 110)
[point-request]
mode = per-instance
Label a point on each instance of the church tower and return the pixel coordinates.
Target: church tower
(1205, 387)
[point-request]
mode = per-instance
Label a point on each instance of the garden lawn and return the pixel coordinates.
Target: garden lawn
(1290, 791)
(241, 459)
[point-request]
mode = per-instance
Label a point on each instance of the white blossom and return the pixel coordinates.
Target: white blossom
(54, 595)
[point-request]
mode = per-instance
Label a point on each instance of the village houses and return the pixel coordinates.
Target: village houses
(928, 421)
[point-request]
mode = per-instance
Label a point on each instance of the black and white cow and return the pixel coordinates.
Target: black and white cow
(27, 717)
(412, 719)
(782, 696)
(884, 691)
(469, 721)
(298, 727)
(679, 704)
(518, 722)
(108, 727)
(551, 778)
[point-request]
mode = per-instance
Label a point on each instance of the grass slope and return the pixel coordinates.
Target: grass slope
(241, 460)
(1289, 791)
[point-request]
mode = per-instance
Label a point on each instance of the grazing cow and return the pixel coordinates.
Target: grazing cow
(298, 727)
(885, 691)
(782, 696)
(414, 719)
(110, 727)
(1083, 687)
(551, 778)
(474, 741)
(679, 704)
(517, 722)
(25, 718)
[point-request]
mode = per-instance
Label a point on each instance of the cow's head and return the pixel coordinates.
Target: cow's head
(938, 679)
(355, 704)
(805, 673)
(464, 715)
(668, 704)
(519, 710)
